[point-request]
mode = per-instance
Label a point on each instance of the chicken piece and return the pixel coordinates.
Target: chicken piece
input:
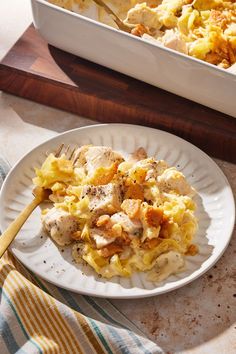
(142, 14)
(155, 168)
(133, 227)
(100, 156)
(101, 238)
(141, 170)
(152, 167)
(60, 225)
(173, 180)
(172, 40)
(156, 40)
(104, 199)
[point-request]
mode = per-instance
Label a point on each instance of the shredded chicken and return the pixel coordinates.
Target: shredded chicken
(130, 226)
(60, 225)
(100, 156)
(101, 238)
(104, 199)
(171, 179)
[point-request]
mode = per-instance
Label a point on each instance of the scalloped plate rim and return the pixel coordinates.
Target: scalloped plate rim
(145, 292)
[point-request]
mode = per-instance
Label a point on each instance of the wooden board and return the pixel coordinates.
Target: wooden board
(44, 74)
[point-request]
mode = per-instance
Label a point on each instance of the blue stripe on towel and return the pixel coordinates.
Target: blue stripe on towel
(2, 292)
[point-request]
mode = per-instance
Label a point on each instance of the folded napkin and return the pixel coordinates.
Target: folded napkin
(37, 317)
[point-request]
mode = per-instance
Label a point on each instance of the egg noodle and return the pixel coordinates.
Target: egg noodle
(120, 215)
(204, 29)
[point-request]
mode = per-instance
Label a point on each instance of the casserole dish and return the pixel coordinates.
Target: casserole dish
(178, 73)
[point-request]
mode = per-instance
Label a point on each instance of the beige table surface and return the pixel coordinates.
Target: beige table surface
(198, 318)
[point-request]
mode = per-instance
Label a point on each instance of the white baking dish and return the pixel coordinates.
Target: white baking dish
(162, 67)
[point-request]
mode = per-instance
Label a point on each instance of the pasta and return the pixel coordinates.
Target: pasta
(120, 215)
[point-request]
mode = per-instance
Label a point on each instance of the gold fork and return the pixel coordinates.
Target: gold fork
(40, 195)
(122, 26)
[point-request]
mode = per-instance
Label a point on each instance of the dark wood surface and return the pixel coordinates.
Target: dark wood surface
(45, 74)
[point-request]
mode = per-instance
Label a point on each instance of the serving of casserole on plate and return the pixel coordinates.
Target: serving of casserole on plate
(185, 47)
(136, 214)
(120, 215)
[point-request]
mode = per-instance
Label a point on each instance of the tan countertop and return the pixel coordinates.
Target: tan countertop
(198, 318)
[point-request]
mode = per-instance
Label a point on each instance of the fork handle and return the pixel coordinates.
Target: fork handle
(10, 233)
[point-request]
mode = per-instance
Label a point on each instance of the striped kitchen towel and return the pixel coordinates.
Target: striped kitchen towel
(37, 317)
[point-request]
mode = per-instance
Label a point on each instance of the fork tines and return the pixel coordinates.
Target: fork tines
(59, 150)
(68, 151)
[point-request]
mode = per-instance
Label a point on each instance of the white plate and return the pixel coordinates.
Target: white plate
(216, 211)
